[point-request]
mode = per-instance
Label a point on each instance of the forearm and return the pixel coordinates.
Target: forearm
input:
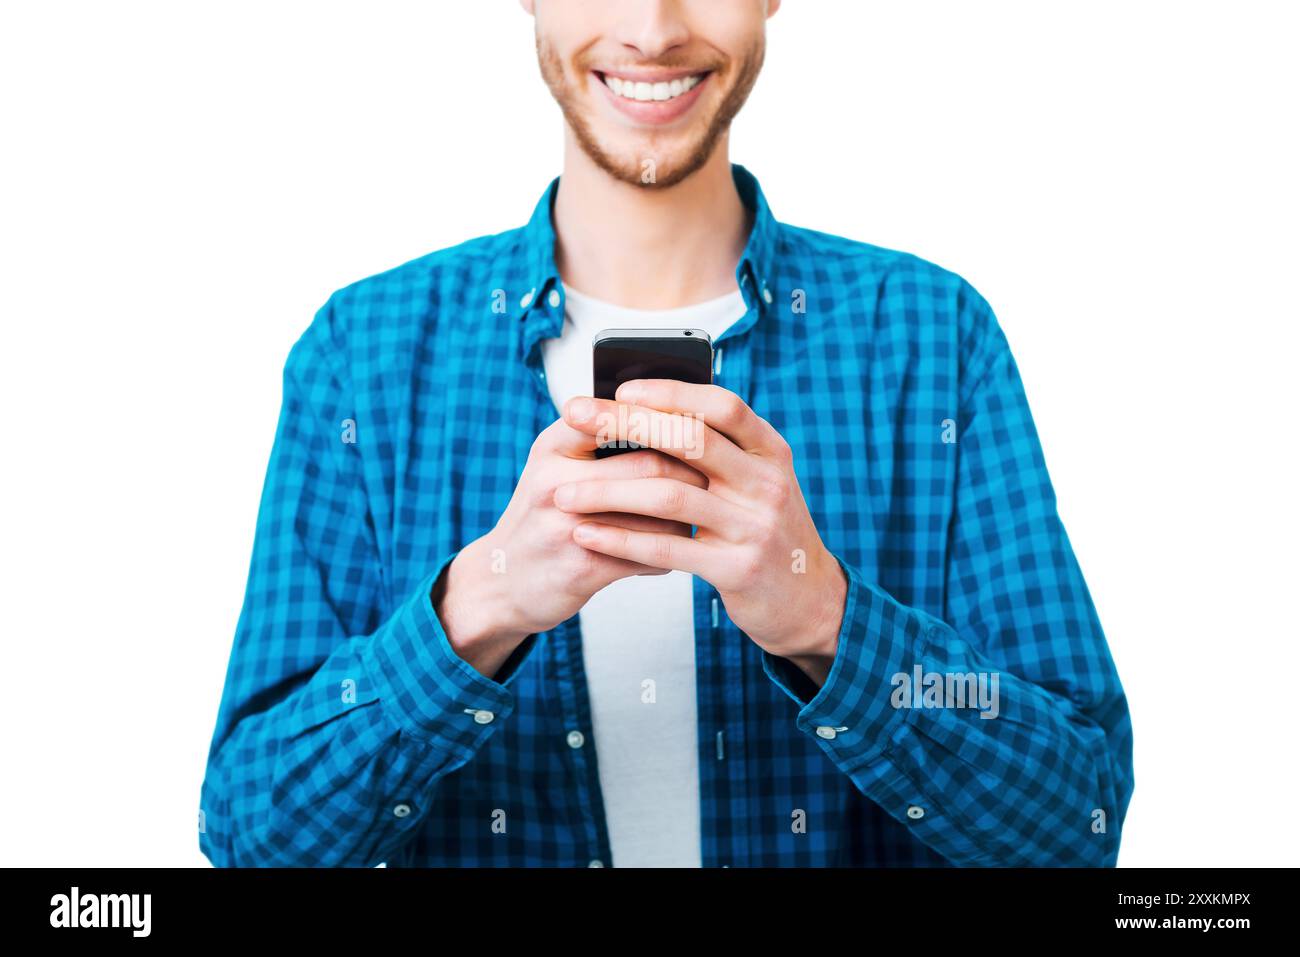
(1020, 787)
(288, 790)
(339, 771)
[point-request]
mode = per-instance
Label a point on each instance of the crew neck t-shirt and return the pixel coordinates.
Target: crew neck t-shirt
(638, 635)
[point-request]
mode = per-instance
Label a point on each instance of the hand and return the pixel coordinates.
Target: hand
(756, 541)
(527, 575)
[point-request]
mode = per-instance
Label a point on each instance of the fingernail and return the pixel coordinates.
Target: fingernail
(564, 495)
(580, 410)
(628, 393)
(584, 532)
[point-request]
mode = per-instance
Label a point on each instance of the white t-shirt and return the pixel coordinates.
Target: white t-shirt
(638, 636)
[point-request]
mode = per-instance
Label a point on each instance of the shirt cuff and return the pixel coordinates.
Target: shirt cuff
(851, 715)
(428, 690)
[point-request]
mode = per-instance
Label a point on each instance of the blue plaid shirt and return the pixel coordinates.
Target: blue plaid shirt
(349, 732)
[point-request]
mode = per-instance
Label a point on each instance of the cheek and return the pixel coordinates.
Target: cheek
(730, 26)
(556, 56)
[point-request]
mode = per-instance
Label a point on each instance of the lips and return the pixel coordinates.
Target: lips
(652, 99)
(659, 91)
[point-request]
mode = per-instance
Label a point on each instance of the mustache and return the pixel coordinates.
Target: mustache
(586, 63)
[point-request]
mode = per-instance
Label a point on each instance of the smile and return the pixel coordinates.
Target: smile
(643, 91)
(650, 99)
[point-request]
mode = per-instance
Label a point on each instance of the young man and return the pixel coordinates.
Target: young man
(467, 641)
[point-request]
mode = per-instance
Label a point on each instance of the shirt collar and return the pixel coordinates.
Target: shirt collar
(538, 303)
(754, 272)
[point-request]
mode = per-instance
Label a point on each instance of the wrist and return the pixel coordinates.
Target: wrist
(476, 616)
(816, 657)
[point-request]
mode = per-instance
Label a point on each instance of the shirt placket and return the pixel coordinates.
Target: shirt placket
(566, 666)
(727, 817)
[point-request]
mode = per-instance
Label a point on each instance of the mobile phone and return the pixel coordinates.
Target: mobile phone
(620, 355)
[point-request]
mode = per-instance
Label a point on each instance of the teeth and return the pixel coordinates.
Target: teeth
(652, 91)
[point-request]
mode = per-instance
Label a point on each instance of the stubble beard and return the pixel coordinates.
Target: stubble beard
(667, 171)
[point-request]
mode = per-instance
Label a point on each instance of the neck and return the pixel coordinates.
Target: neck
(648, 248)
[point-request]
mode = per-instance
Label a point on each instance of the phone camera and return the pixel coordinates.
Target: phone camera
(688, 333)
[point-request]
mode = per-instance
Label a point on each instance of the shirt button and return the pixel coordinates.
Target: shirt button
(826, 731)
(915, 813)
(596, 863)
(528, 297)
(402, 810)
(767, 295)
(483, 717)
(554, 298)
(575, 739)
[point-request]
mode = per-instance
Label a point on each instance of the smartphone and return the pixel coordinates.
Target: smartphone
(619, 355)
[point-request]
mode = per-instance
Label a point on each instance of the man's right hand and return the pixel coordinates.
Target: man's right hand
(527, 574)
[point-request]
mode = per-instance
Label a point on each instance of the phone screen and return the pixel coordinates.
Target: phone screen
(618, 357)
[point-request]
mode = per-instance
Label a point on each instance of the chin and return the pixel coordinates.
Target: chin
(628, 154)
(630, 166)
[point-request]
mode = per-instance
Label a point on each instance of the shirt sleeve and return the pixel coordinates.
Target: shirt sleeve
(1039, 772)
(337, 717)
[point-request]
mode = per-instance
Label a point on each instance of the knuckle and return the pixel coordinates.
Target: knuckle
(661, 550)
(773, 485)
(781, 449)
(766, 529)
(583, 563)
(557, 533)
(751, 565)
(537, 495)
(733, 409)
(672, 498)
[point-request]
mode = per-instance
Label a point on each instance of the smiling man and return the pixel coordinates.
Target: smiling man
(468, 641)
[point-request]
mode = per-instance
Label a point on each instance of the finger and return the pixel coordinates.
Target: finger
(625, 569)
(621, 568)
(561, 438)
(722, 410)
(652, 549)
(659, 498)
(645, 464)
(641, 523)
(683, 436)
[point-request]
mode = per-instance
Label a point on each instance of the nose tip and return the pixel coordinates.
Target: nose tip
(653, 30)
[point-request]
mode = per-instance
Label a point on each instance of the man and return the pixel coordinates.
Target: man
(467, 641)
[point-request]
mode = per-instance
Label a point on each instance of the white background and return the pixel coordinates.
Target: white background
(184, 183)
